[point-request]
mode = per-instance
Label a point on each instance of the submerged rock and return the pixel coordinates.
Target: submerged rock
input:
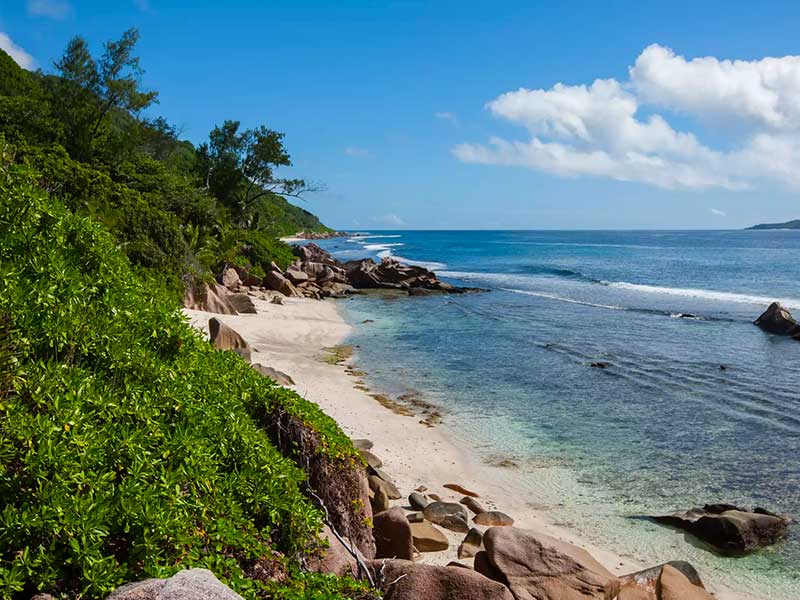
(728, 528)
(778, 320)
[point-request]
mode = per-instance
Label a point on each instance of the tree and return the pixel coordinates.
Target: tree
(239, 167)
(93, 90)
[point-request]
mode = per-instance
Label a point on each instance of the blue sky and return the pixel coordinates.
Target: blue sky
(391, 106)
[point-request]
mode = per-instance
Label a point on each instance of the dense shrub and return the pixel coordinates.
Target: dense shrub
(129, 448)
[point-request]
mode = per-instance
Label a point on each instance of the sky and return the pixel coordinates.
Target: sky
(479, 115)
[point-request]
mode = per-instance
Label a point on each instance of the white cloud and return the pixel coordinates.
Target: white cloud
(54, 9)
(388, 219)
(764, 92)
(718, 212)
(447, 116)
(606, 130)
(22, 58)
(357, 152)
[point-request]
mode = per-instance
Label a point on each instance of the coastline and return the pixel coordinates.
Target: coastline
(297, 338)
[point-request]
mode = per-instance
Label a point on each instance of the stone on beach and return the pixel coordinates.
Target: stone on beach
(392, 533)
(728, 528)
(415, 517)
(276, 281)
(372, 460)
(209, 298)
(225, 338)
(362, 444)
(471, 544)
(391, 490)
(405, 580)
(336, 559)
(242, 303)
(379, 500)
(418, 501)
(472, 504)
(428, 538)
(539, 566)
(278, 377)
(438, 511)
(493, 518)
(460, 489)
(674, 585)
(230, 279)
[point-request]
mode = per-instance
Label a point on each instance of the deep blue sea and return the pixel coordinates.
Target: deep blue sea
(662, 428)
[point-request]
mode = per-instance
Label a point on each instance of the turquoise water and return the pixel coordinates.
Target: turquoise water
(663, 428)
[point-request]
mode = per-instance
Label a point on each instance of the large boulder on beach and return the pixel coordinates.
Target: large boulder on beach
(427, 538)
(276, 281)
(405, 580)
(242, 303)
(728, 528)
(471, 544)
(392, 533)
(643, 585)
(209, 298)
(438, 511)
(230, 279)
(189, 584)
(776, 319)
(337, 558)
(312, 253)
(542, 567)
(225, 338)
(277, 376)
(493, 518)
(388, 487)
(674, 585)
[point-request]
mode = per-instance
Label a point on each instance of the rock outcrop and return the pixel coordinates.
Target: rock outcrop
(643, 585)
(392, 533)
(405, 580)
(225, 338)
(209, 298)
(728, 528)
(542, 567)
(778, 320)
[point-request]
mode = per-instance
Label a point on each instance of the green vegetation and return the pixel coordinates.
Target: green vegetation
(787, 225)
(180, 211)
(129, 448)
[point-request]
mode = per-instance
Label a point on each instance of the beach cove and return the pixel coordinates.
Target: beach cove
(304, 339)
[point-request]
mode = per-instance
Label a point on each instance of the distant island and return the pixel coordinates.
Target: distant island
(787, 225)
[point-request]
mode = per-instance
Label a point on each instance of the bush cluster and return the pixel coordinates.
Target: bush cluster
(129, 448)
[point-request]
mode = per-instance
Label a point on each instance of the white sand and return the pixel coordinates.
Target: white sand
(292, 338)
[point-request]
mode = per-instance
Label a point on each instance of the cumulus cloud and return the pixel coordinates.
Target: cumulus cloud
(608, 129)
(53, 9)
(22, 58)
(357, 152)
(764, 92)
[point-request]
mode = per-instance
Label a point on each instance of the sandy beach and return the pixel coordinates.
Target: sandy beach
(296, 337)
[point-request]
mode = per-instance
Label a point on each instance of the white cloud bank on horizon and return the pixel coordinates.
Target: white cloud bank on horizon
(54, 9)
(22, 58)
(598, 129)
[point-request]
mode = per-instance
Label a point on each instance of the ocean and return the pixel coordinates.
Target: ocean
(697, 404)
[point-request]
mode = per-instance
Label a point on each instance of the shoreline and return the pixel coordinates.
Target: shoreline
(298, 337)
